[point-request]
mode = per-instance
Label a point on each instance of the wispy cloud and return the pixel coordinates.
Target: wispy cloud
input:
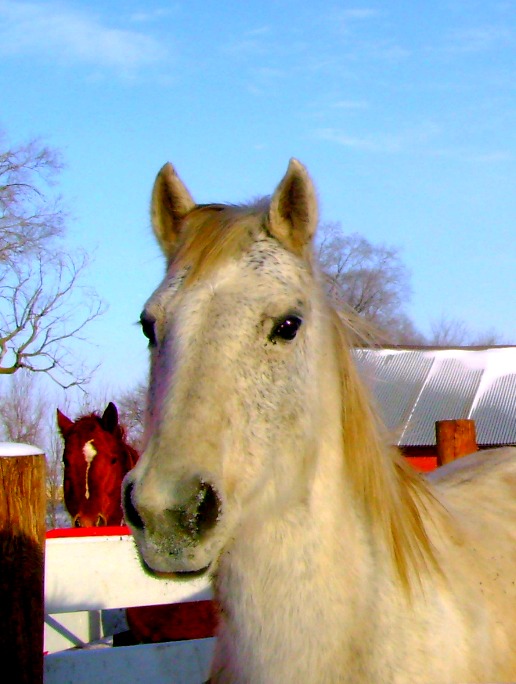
(410, 139)
(479, 157)
(350, 105)
(253, 43)
(426, 139)
(71, 36)
(478, 39)
(357, 13)
(367, 143)
(347, 21)
(152, 15)
(366, 34)
(264, 79)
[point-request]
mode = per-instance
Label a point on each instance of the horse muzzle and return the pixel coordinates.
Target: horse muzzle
(85, 520)
(179, 537)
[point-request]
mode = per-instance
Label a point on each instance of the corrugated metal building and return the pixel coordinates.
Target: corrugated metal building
(417, 386)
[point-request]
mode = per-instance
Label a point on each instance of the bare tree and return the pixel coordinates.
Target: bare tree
(448, 332)
(370, 279)
(29, 214)
(54, 480)
(22, 412)
(131, 407)
(40, 314)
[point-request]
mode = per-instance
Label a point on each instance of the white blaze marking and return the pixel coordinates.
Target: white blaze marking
(89, 452)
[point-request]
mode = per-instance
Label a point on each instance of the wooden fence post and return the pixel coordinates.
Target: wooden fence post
(454, 438)
(22, 553)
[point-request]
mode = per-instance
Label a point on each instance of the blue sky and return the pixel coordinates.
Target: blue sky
(403, 112)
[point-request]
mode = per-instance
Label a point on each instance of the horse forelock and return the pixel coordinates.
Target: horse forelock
(214, 233)
(89, 451)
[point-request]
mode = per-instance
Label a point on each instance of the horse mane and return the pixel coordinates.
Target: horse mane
(391, 492)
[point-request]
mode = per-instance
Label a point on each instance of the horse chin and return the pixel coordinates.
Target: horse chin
(163, 559)
(186, 575)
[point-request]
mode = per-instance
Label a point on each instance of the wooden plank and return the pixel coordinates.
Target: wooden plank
(95, 573)
(454, 439)
(181, 662)
(424, 464)
(71, 630)
(22, 547)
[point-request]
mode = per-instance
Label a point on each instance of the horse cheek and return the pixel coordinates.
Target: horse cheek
(112, 494)
(72, 506)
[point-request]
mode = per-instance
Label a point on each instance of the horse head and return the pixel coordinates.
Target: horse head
(96, 458)
(227, 333)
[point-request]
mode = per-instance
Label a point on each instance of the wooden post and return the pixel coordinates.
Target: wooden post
(454, 439)
(22, 553)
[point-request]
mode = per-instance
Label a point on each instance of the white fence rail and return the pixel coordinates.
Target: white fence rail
(87, 575)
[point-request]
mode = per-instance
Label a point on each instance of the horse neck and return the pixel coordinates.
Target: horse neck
(295, 570)
(324, 568)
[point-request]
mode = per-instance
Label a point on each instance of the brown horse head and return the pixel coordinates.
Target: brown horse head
(96, 458)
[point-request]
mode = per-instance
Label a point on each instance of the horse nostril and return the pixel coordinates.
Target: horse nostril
(132, 516)
(77, 521)
(101, 521)
(209, 508)
(201, 513)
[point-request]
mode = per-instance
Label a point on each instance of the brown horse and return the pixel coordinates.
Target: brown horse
(96, 459)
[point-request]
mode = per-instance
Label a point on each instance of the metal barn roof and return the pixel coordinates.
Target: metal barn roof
(415, 387)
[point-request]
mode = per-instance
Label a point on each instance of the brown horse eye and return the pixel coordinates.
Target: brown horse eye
(148, 324)
(286, 329)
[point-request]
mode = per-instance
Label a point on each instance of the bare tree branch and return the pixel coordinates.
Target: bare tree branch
(450, 332)
(22, 411)
(29, 216)
(370, 279)
(131, 407)
(45, 314)
(373, 281)
(43, 306)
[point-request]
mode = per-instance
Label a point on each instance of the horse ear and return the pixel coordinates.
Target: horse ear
(110, 417)
(63, 422)
(170, 202)
(293, 211)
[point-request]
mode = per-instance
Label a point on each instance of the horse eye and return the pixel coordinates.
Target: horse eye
(286, 329)
(148, 327)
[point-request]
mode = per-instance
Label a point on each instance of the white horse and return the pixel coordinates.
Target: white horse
(266, 467)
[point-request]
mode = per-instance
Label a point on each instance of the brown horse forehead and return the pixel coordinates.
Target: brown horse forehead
(88, 431)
